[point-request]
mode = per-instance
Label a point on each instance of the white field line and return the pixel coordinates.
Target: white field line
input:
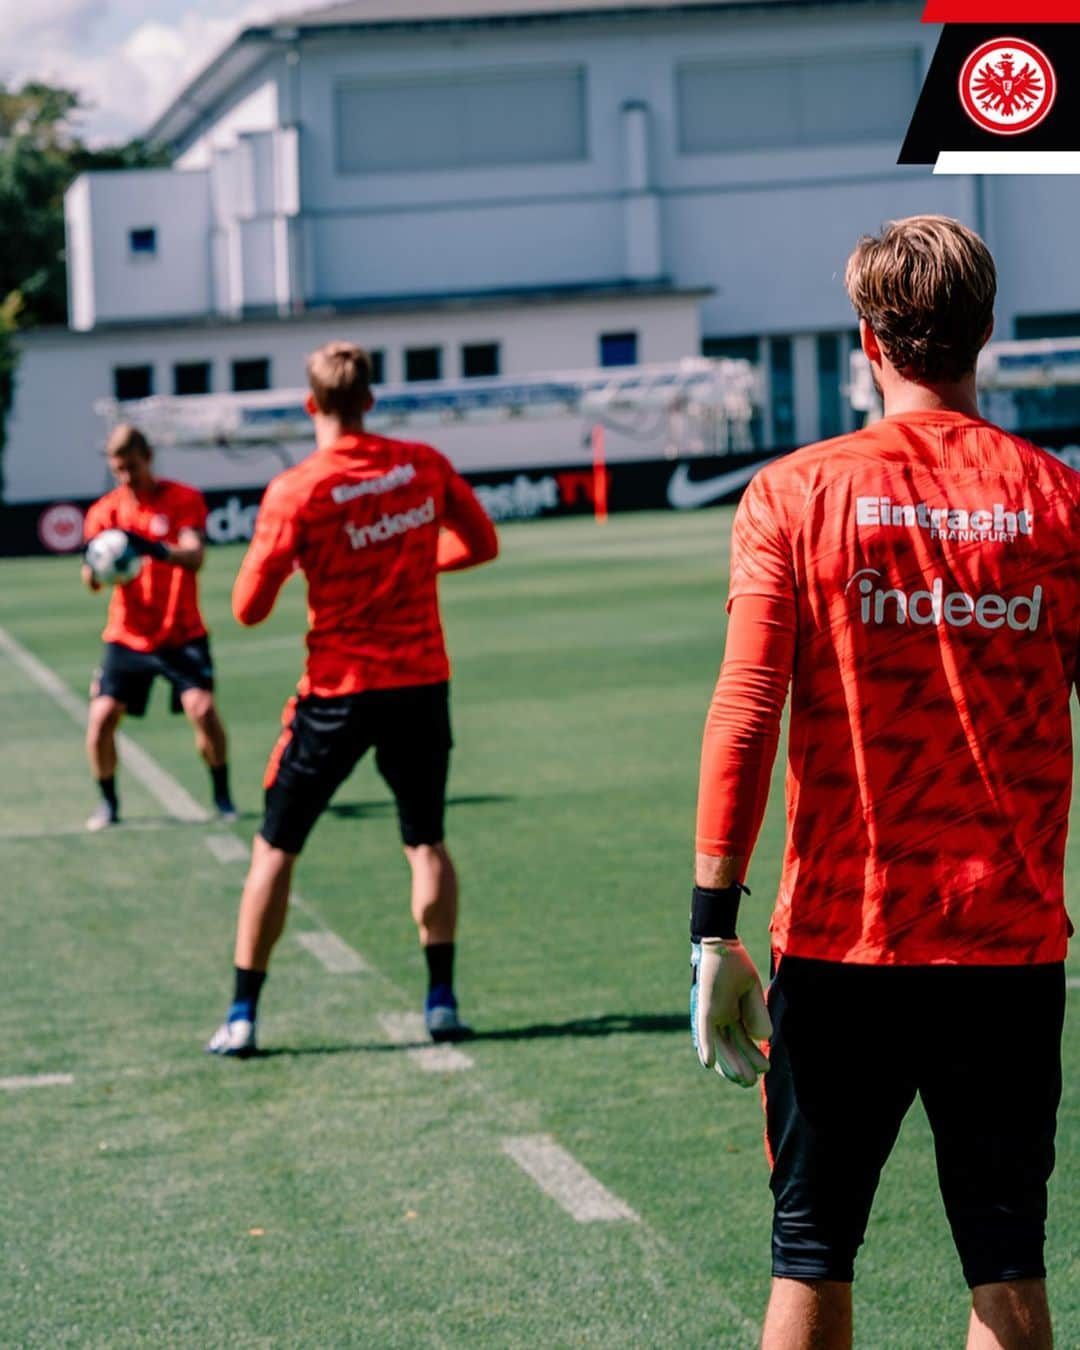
(226, 848)
(333, 954)
(175, 799)
(35, 1080)
(561, 1176)
(1073, 982)
(408, 1029)
(161, 785)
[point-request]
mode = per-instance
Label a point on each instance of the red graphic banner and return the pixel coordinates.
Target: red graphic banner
(1001, 11)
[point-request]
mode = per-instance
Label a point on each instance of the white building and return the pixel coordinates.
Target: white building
(472, 187)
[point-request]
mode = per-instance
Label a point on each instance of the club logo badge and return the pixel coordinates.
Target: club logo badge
(1007, 86)
(60, 527)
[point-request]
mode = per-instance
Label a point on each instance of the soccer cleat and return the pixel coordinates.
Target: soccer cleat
(235, 1039)
(102, 817)
(225, 809)
(443, 1021)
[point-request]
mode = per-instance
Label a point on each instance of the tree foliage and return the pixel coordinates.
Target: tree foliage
(41, 153)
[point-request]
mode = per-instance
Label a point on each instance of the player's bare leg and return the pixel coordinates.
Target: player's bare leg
(101, 724)
(434, 892)
(264, 906)
(1012, 1315)
(211, 742)
(808, 1315)
(435, 909)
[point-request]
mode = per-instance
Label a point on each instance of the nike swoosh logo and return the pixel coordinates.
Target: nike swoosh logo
(685, 495)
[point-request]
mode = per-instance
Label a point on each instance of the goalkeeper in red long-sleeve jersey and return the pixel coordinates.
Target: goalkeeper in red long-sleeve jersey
(370, 522)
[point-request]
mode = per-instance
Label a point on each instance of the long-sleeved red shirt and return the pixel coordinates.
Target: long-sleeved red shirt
(370, 522)
(918, 584)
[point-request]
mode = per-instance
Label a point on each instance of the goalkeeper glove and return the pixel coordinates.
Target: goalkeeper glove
(148, 548)
(727, 1006)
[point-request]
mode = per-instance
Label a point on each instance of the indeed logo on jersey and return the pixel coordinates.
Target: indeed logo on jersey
(386, 482)
(360, 536)
(990, 525)
(958, 609)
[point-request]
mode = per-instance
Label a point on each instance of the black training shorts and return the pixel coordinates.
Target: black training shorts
(853, 1046)
(127, 675)
(325, 738)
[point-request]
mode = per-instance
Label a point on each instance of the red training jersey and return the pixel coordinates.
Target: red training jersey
(361, 519)
(919, 584)
(160, 608)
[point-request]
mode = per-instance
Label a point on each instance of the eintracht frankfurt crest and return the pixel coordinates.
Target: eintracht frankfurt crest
(1007, 86)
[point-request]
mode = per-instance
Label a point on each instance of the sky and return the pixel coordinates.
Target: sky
(127, 58)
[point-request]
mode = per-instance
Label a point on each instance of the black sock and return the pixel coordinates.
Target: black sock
(219, 776)
(108, 791)
(440, 964)
(246, 990)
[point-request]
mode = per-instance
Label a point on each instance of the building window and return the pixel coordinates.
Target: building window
(191, 377)
(479, 359)
(782, 390)
(800, 100)
(830, 397)
(423, 363)
(132, 382)
(142, 243)
(1053, 405)
(378, 366)
(251, 374)
(618, 349)
(467, 120)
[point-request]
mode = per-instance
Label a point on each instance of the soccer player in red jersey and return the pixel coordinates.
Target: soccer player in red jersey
(917, 585)
(370, 522)
(154, 626)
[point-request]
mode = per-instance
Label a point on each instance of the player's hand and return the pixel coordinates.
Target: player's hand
(727, 1010)
(89, 580)
(148, 548)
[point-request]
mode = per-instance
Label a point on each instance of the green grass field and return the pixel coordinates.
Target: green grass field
(334, 1192)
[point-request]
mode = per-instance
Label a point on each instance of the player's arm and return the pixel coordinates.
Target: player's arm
(270, 559)
(742, 729)
(468, 537)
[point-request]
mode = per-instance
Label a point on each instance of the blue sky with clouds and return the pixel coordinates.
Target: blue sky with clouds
(126, 57)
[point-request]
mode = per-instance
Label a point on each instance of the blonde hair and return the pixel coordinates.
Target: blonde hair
(340, 378)
(926, 286)
(125, 437)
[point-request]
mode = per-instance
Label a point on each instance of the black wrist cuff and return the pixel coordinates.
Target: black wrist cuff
(713, 911)
(156, 549)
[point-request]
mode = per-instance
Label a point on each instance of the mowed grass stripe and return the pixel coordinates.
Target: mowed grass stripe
(19, 1082)
(408, 1030)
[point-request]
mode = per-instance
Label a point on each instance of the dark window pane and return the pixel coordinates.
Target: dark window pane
(782, 391)
(618, 349)
(1048, 326)
(479, 358)
(733, 348)
(830, 411)
(191, 377)
(132, 382)
(423, 363)
(252, 374)
(143, 241)
(378, 367)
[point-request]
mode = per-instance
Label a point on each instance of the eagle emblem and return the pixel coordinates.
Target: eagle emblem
(1007, 86)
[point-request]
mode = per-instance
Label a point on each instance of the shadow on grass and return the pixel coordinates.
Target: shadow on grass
(385, 807)
(611, 1024)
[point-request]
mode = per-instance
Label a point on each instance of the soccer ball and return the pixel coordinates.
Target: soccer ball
(111, 558)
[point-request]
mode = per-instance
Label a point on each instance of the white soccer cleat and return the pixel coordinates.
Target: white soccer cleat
(235, 1038)
(102, 817)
